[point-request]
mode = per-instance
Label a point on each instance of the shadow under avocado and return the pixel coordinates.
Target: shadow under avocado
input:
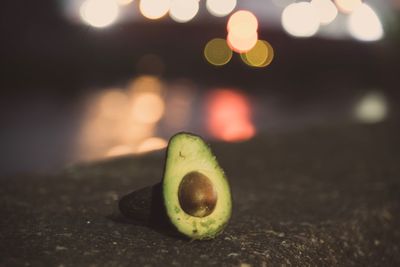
(145, 207)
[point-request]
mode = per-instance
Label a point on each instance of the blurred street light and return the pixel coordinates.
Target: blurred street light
(326, 9)
(365, 25)
(229, 115)
(371, 108)
(220, 8)
(183, 10)
(217, 52)
(99, 13)
(124, 2)
(347, 6)
(261, 55)
(154, 9)
(300, 19)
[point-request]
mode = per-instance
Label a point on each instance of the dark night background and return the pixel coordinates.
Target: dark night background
(50, 64)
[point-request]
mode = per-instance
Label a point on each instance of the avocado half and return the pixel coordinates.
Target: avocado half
(194, 195)
(195, 191)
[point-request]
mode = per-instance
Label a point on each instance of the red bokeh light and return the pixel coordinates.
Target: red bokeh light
(229, 115)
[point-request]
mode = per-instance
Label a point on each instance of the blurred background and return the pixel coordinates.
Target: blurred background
(85, 80)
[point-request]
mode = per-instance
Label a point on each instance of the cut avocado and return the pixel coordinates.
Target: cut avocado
(193, 197)
(196, 192)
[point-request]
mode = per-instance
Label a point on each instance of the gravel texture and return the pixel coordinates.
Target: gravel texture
(318, 197)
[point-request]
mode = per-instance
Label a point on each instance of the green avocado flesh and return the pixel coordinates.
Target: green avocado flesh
(196, 192)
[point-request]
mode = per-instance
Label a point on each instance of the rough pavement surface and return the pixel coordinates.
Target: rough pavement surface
(318, 197)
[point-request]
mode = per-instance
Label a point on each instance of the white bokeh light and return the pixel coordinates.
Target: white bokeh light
(99, 13)
(348, 6)
(183, 10)
(371, 108)
(220, 8)
(326, 9)
(124, 2)
(365, 25)
(300, 19)
(154, 9)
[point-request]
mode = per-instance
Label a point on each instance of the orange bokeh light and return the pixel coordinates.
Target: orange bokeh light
(229, 116)
(119, 150)
(151, 144)
(241, 44)
(147, 107)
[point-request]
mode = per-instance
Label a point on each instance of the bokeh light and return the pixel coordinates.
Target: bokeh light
(365, 25)
(300, 19)
(112, 103)
(261, 55)
(145, 83)
(108, 127)
(217, 52)
(119, 150)
(183, 10)
(124, 2)
(348, 6)
(99, 13)
(371, 108)
(147, 107)
(258, 54)
(154, 9)
(243, 24)
(179, 102)
(229, 115)
(151, 144)
(220, 8)
(241, 45)
(147, 104)
(326, 9)
(118, 120)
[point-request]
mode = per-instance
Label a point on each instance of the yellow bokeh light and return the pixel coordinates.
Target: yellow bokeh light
(261, 55)
(270, 56)
(242, 45)
(242, 24)
(183, 10)
(99, 13)
(147, 107)
(365, 25)
(217, 52)
(154, 9)
(244, 59)
(220, 8)
(327, 10)
(151, 144)
(347, 6)
(258, 54)
(300, 19)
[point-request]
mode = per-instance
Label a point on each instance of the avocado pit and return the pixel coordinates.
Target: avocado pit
(197, 195)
